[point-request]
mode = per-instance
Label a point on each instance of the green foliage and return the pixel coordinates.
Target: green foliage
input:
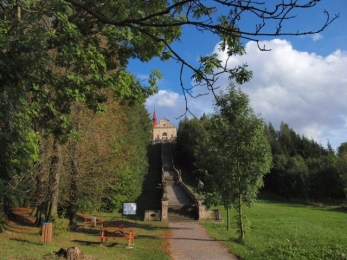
(60, 225)
(302, 168)
(86, 205)
(237, 155)
(324, 179)
(190, 139)
(295, 180)
(342, 170)
(342, 149)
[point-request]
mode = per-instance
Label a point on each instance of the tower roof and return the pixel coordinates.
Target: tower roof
(154, 119)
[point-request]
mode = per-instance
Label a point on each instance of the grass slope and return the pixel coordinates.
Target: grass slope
(288, 231)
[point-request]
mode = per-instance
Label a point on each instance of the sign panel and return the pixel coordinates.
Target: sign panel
(129, 208)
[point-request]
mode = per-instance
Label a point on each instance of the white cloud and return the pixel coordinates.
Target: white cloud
(316, 36)
(166, 104)
(163, 99)
(305, 90)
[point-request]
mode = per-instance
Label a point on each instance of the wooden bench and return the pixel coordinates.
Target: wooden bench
(118, 232)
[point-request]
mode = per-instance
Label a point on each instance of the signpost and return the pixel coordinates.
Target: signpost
(129, 208)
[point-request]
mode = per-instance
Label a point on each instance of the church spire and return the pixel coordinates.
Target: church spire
(154, 119)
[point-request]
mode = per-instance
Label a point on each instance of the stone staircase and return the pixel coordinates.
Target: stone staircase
(181, 213)
(181, 208)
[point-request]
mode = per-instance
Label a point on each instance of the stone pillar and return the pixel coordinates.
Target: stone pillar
(164, 208)
(201, 209)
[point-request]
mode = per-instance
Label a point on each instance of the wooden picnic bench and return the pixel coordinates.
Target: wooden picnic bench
(118, 232)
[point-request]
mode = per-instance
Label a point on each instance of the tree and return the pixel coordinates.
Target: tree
(342, 165)
(325, 182)
(294, 181)
(95, 158)
(51, 58)
(239, 154)
(342, 149)
(342, 169)
(190, 136)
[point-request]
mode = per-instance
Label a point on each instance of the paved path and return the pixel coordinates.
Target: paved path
(190, 241)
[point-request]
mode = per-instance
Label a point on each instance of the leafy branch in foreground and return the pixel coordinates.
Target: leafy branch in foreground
(159, 25)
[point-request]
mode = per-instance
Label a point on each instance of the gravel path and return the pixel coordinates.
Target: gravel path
(190, 241)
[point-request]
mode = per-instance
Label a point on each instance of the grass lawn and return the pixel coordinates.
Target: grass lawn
(287, 231)
(24, 241)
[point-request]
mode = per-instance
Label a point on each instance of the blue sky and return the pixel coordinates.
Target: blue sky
(302, 81)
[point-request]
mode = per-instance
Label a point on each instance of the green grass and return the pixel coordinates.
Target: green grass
(287, 231)
(23, 242)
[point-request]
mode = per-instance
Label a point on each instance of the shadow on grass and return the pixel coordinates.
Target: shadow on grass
(86, 243)
(22, 217)
(338, 209)
(156, 225)
(97, 243)
(25, 241)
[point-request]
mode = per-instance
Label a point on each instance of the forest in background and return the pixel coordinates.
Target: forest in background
(301, 168)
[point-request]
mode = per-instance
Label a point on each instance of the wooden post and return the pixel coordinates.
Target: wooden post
(47, 229)
(49, 232)
(93, 222)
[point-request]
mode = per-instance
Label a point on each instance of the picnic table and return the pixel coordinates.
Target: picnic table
(118, 232)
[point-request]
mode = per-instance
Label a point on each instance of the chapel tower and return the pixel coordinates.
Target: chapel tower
(154, 119)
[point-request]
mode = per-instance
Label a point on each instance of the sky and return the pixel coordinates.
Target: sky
(302, 81)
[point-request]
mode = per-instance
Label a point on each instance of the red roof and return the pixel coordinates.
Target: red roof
(154, 120)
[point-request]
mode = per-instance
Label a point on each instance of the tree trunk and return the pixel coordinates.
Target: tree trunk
(41, 214)
(33, 212)
(74, 189)
(54, 176)
(7, 206)
(228, 218)
(40, 210)
(240, 219)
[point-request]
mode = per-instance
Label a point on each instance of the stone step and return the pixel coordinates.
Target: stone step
(181, 213)
(170, 182)
(181, 207)
(181, 216)
(181, 219)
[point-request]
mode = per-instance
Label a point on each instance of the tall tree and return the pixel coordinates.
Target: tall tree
(342, 166)
(95, 158)
(190, 135)
(239, 154)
